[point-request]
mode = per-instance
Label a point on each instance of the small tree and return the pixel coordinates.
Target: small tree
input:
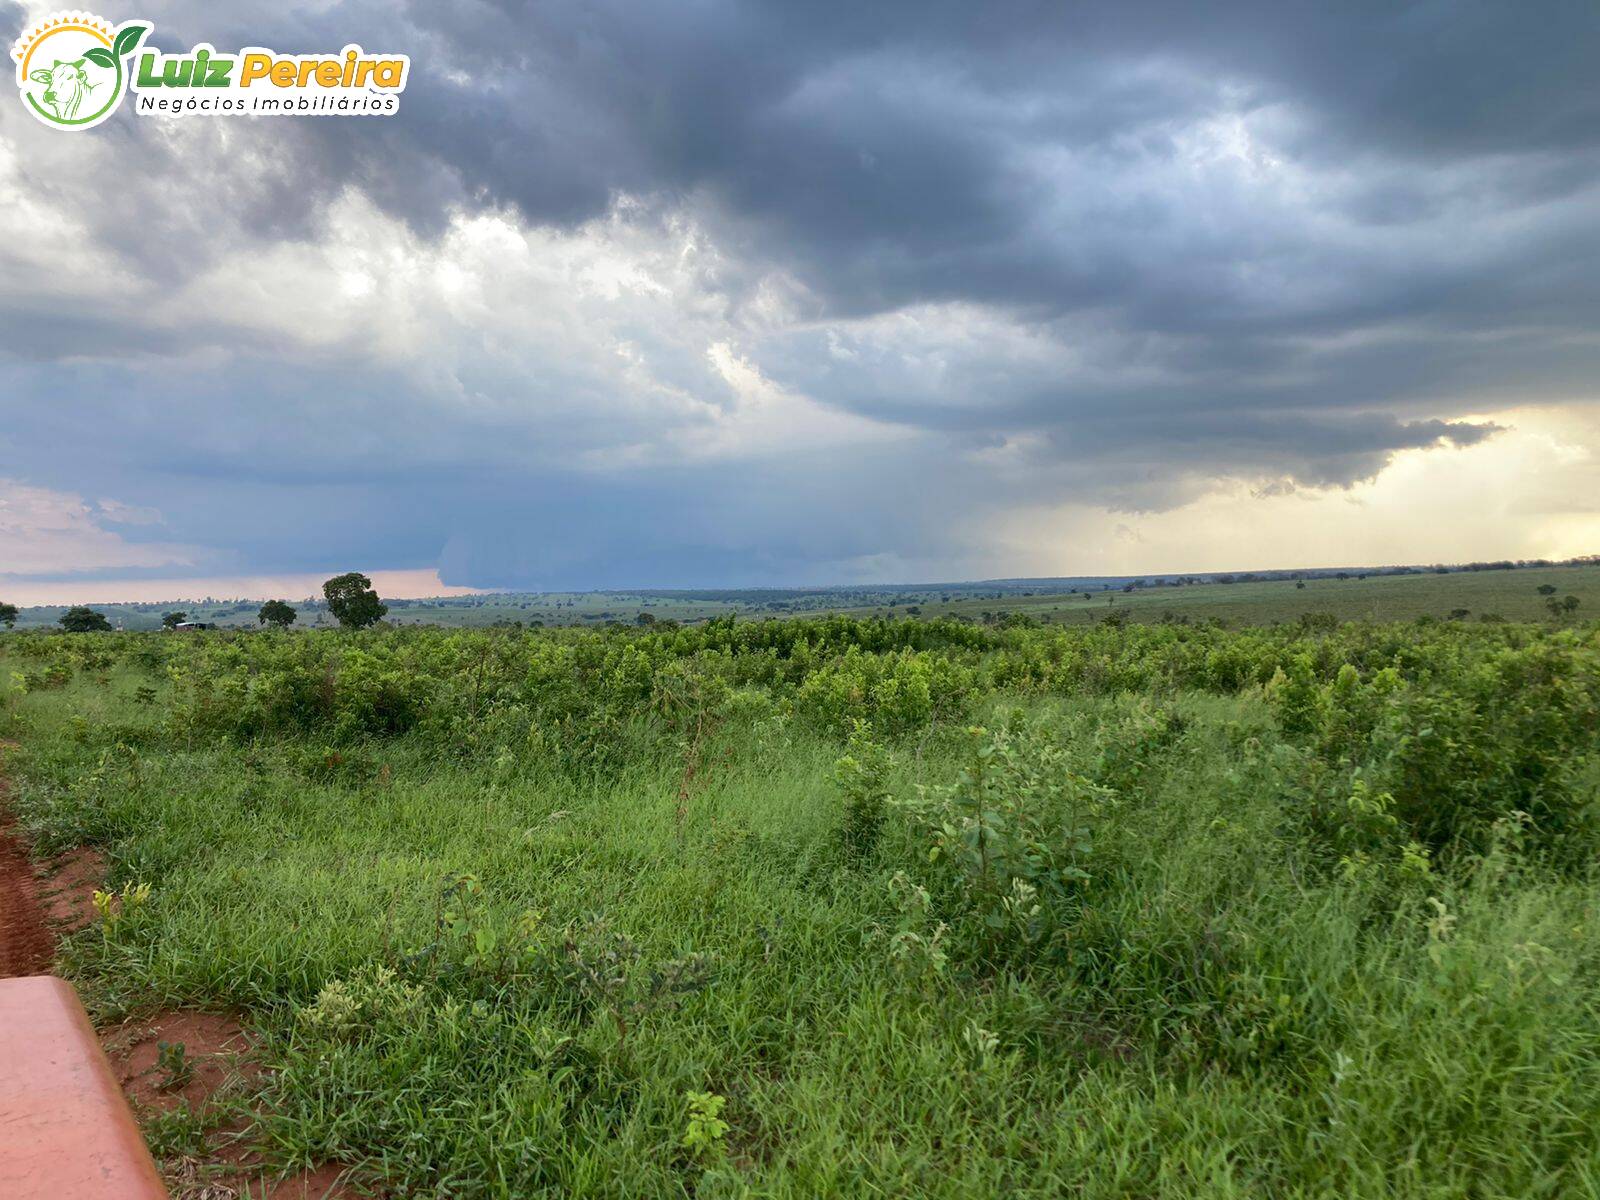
(645, 618)
(1563, 607)
(9, 614)
(1547, 589)
(277, 613)
(84, 620)
(352, 601)
(173, 619)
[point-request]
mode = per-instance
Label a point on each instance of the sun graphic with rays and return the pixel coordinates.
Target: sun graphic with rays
(71, 68)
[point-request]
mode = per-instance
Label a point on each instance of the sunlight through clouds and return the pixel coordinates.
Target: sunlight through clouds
(1528, 493)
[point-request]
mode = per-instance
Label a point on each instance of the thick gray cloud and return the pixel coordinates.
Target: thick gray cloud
(1037, 252)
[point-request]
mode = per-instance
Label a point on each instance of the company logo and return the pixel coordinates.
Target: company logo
(73, 70)
(72, 67)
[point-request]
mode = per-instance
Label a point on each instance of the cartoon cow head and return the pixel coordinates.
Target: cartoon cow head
(67, 86)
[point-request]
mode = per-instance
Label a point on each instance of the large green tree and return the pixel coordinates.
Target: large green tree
(84, 620)
(172, 619)
(9, 614)
(278, 613)
(352, 601)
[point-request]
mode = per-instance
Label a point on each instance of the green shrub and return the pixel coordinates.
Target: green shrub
(863, 778)
(1010, 841)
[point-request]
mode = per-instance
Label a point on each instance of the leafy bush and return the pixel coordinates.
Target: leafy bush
(895, 693)
(863, 777)
(1460, 746)
(1011, 840)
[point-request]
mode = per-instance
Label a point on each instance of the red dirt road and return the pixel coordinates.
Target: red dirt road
(26, 944)
(38, 906)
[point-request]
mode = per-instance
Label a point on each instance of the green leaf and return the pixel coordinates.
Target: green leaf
(128, 39)
(100, 57)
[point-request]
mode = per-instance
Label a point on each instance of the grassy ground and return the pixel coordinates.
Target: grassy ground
(490, 955)
(1512, 594)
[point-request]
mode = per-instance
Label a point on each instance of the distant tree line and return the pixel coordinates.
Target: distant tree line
(353, 602)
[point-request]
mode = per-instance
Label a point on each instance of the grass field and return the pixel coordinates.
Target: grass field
(838, 907)
(1512, 594)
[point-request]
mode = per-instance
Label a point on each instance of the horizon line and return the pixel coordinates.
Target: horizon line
(396, 584)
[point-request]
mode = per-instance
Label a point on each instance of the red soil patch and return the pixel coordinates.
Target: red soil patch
(26, 947)
(198, 1181)
(251, 1182)
(218, 1052)
(214, 1047)
(67, 888)
(319, 1183)
(34, 909)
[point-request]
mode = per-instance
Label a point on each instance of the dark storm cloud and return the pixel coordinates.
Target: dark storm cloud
(1023, 155)
(883, 151)
(1133, 246)
(878, 147)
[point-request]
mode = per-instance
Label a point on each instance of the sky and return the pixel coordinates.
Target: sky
(727, 294)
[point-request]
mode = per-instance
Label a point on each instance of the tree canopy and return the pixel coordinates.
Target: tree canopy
(84, 620)
(352, 600)
(278, 613)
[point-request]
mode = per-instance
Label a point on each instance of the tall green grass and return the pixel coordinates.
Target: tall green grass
(501, 908)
